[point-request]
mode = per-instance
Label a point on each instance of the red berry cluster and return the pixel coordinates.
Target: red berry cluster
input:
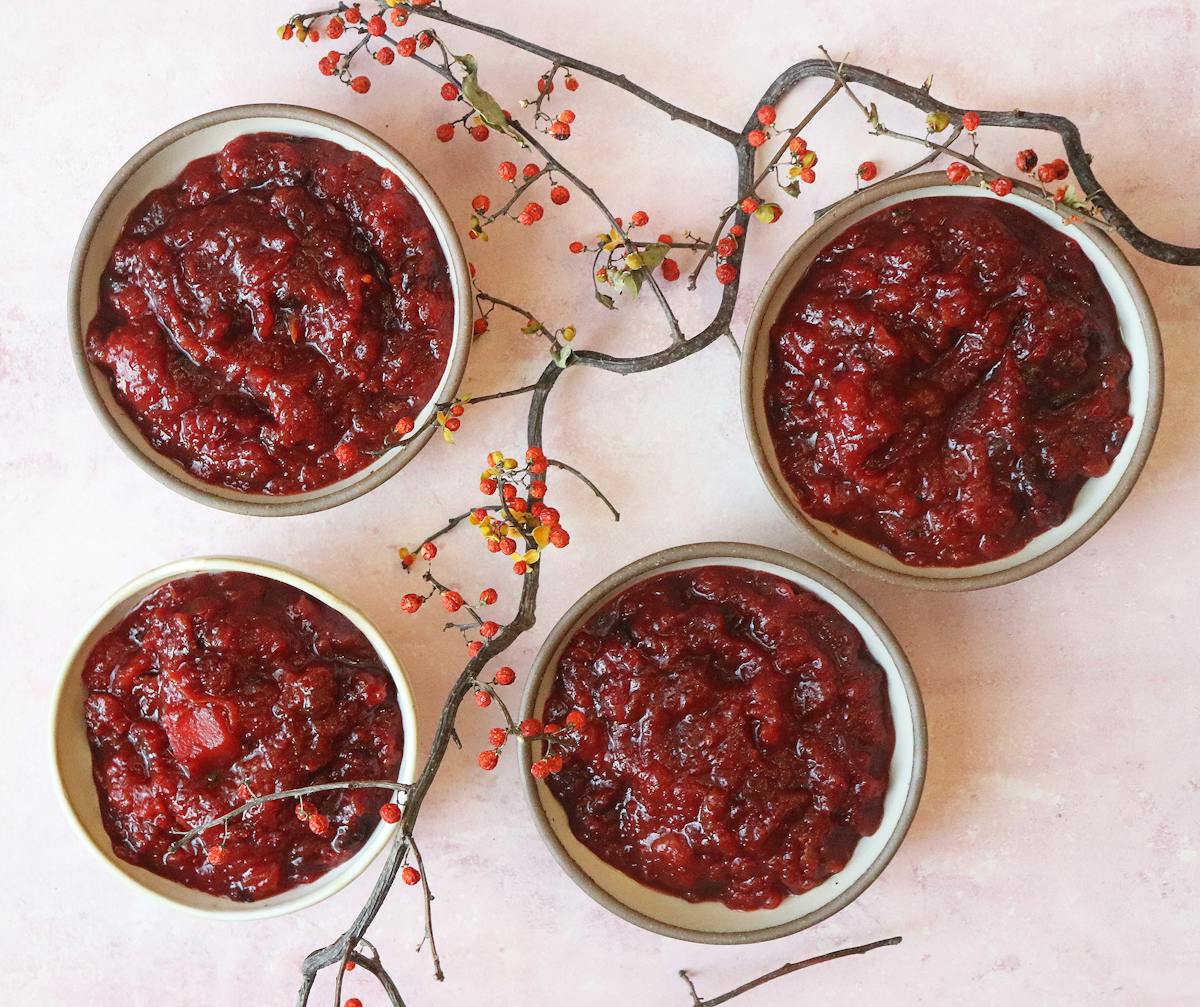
(530, 214)
(520, 525)
(558, 739)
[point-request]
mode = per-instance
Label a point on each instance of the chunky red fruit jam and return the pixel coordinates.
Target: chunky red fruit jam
(737, 736)
(268, 317)
(224, 681)
(945, 378)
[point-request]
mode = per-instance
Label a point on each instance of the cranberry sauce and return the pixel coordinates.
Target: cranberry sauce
(271, 315)
(222, 681)
(737, 737)
(945, 378)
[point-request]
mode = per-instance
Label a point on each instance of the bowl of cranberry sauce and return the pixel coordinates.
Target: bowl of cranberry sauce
(752, 747)
(949, 389)
(266, 304)
(209, 681)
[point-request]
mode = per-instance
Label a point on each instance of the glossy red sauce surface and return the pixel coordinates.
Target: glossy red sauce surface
(945, 378)
(217, 680)
(737, 741)
(269, 316)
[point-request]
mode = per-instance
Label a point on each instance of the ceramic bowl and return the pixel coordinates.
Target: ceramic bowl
(157, 164)
(1099, 498)
(713, 922)
(72, 758)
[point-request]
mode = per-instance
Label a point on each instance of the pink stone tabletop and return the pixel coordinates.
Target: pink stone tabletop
(1056, 855)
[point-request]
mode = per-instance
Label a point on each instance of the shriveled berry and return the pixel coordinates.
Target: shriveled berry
(410, 875)
(411, 603)
(1027, 160)
(452, 601)
(560, 130)
(488, 760)
(335, 27)
(726, 247)
(429, 551)
(505, 676)
(390, 812)
(508, 546)
(726, 273)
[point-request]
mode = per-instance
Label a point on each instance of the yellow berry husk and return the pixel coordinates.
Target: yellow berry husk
(633, 260)
(568, 333)
(937, 121)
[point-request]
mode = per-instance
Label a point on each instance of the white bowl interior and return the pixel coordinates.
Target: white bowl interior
(73, 756)
(715, 917)
(163, 167)
(1094, 492)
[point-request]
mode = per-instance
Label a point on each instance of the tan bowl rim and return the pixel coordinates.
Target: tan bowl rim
(344, 490)
(544, 664)
(758, 329)
(324, 886)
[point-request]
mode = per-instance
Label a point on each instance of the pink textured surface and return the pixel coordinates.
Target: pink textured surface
(1056, 857)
